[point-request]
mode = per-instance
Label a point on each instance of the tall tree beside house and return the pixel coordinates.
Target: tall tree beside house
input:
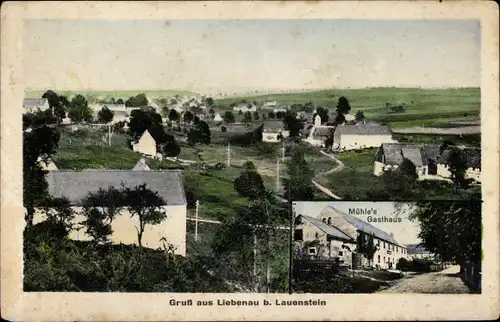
(256, 116)
(247, 118)
(292, 124)
(79, 110)
(170, 148)
(249, 184)
(199, 133)
(343, 108)
(120, 101)
(41, 142)
(457, 166)
(38, 118)
(360, 116)
(408, 170)
(298, 185)
(228, 117)
(141, 121)
(173, 115)
(452, 230)
(146, 205)
(105, 115)
(209, 101)
(58, 103)
(100, 209)
(366, 246)
(188, 117)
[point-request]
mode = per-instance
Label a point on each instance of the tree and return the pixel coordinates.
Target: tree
(79, 110)
(223, 129)
(292, 124)
(360, 116)
(298, 185)
(323, 113)
(137, 101)
(58, 211)
(173, 116)
(408, 170)
(247, 118)
(457, 166)
(146, 205)
(256, 116)
(40, 143)
(211, 112)
(188, 116)
(451, 230)
(100, 208)
(249, 184)
(141, 121)
(271, 115)
(200, 133)
(119, 101)
(366, 246)
(228, 117)
(105, 115)
(343, 105)
(170, 149)
(209, 101)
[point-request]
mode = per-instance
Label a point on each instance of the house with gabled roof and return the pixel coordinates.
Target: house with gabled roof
(31, 105)
(146, 144)
(76, 186)
(431, 160)
(418, 251)
(351, 137)
(47, 164)
(336, 234)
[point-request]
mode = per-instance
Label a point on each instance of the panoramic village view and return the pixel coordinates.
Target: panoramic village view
(191, 190)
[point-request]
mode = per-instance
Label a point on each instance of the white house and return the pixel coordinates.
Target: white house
(31, 105)
(336, 234)
(49, 165)
(217, 118)
(145, 144)
(349, 137)
(430, 160)
(270, 105)
(76, 185)
(141, 166)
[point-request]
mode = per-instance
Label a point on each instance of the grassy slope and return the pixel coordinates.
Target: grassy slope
(429, 104)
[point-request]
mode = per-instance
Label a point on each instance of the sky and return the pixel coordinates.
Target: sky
(257, 54)
(405, 232)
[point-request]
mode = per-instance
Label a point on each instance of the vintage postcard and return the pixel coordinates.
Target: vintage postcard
(250, 160)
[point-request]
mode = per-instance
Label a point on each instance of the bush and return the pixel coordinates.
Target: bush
(223, 129)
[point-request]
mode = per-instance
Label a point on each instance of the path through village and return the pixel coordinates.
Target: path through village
(447, 281)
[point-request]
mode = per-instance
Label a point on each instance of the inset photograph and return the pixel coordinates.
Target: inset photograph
(387, 247)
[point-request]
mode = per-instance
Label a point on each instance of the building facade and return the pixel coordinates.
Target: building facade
(334, 235)
(76, 185)
(351, 137)
(145, 144)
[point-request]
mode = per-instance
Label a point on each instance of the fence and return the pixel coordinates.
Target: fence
(471, 275)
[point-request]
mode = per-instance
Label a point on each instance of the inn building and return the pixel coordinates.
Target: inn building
(333, 235)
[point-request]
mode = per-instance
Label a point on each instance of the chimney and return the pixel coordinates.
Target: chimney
(142, 161)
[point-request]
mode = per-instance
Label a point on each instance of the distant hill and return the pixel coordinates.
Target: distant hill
(125, 94)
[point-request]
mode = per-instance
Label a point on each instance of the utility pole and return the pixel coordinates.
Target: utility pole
(196, 221)
(109, 135)
(277, 175)
(228, 153)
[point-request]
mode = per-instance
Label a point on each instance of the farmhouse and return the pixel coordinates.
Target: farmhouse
(76, 185)
(418, 251)
(335, 235)
(217, 118)
(31, 105)
(349, 137)
(430, 160)
(245, 107)
(319, 134)
(49, 165)
(146, 144)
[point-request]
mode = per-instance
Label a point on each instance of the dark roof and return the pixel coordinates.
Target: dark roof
(417, 249)
(330, 230)
(420, 153)
(76, 185)
(364, 226)
(33, 102)
(362, 129)
(322, 132)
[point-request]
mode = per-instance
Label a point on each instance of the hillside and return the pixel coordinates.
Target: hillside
(123, 94)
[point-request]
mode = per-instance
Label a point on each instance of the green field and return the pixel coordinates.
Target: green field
(123, 94)
(423, 106)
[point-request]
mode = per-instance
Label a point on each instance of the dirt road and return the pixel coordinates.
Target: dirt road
(446, 281)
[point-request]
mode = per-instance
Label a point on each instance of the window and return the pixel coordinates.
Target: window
(312, 250)
(383, 260)
(379, 258)
(384, 245)
(329, 220)
(324, 220)
(298, 235)
(341, 253)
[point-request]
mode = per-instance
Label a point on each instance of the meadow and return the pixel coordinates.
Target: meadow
(424, 107)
